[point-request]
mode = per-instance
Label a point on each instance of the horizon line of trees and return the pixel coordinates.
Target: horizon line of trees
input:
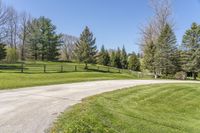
(161, 54)
(86, 52)
(23, 37)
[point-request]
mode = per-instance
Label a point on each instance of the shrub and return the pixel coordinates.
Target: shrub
(181, 75)
(2, 51)
(12, 55)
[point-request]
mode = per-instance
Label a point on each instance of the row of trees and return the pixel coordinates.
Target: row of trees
(24, 37)
(118, 58)
(162, 55)
(36, 39)
(86, 51)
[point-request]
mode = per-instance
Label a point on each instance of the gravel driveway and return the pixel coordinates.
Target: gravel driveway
(33, 109)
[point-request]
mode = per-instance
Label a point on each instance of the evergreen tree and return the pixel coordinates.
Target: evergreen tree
(2, 51)
(149, 56)
(191, 50)
(112, 58)
(86, 49)
(33, 38)
(124, 62)
(107, 58)
(103, 57)
(12, 55)
(118, 58)
(43, 41)
(166, 52)
(100, 59)
(133, 62)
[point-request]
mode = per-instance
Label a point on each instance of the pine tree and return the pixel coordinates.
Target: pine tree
(112, 58)
(2, 51)
(107, 58)
(191, 50)
(166, 52)
(86, 49)
(43, 40)
(103, 57)
(50, 41)
(118, 58)
(115, 58)
(124, 62)
(33, 38)
(100, 59)
(133, 62)
(149, 56)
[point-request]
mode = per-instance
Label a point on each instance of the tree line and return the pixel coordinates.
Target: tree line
(23, 37)
(86, 51)
(161, 54)
(26, 38)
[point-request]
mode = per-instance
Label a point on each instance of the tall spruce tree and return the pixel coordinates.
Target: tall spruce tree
(166, 52)
(124, 58)
(191, 50)
(2, 51)
(86, 49)
(43, 41)
(33, 38)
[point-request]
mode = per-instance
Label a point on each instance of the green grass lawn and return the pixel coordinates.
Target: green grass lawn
(11, 76)
(16, 80)
(166, 108)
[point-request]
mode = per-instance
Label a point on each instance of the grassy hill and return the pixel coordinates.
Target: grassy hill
(169, 108)
(47, 73)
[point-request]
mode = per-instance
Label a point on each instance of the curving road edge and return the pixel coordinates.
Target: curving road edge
(33, 109)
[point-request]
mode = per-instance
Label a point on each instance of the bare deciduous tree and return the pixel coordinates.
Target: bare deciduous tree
(68, 47)
(25, 20)
(13, 28)
(151, 32)
(4, 18)
(162, 14)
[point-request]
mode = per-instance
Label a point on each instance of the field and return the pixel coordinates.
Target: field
(166, 108)
(47, 73)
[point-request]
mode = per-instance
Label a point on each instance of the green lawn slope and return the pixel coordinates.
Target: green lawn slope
(166, 108)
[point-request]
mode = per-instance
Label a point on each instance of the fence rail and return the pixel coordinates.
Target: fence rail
(55, 68)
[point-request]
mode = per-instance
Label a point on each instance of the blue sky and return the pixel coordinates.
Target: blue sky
(113, 22)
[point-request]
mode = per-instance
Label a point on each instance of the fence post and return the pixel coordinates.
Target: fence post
(75, 68)
(61, 68)
(44, 68)
(108, 69)
(22, 67)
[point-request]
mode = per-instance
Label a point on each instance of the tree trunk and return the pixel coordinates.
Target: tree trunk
(86, 66)
(22, 54)
(194, 76)
(155, 76)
